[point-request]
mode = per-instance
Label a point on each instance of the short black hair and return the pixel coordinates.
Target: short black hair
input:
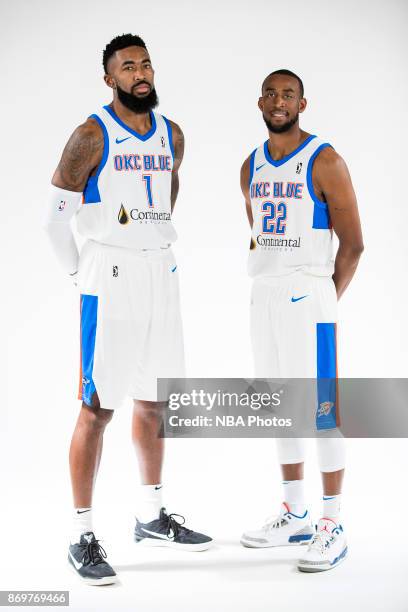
(287, 73)
(120, 42)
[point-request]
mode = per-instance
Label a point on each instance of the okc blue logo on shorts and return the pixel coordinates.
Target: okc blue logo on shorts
(324, 409)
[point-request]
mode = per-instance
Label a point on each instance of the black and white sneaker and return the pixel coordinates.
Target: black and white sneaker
(87, 559)
(166, 531)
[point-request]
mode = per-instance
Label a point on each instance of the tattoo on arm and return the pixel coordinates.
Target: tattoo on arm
(81, 155)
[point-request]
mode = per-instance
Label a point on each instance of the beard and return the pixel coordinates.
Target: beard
(138, 105)
(284, 127)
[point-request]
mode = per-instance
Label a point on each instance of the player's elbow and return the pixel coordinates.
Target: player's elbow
(352, 250)
(358, 249)
(351, 241)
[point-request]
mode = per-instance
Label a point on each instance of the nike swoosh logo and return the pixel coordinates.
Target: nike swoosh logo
(157, 535)
(161, 486)
(261, 166)
(299, 298)
(119, 140)
(82, 511)
(75, 562)
(326, 498)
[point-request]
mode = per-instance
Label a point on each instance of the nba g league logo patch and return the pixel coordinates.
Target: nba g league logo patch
(299, 168)
(115, 271)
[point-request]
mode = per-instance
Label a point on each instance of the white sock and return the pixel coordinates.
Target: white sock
(81, 523)
(294, 496)
(331, 507)
(150, 502)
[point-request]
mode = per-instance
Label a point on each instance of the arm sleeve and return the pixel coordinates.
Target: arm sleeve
(61, 207)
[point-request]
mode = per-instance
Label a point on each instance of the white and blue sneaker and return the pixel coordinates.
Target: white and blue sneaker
(287, 529)
(327, 548)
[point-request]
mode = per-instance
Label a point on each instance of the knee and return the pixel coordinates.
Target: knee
(95, 418)
(147, 413)
(148, 410)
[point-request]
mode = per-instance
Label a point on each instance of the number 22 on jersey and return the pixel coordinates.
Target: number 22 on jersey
(274, 219)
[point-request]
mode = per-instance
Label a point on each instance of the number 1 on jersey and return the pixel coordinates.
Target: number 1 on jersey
(148, 184)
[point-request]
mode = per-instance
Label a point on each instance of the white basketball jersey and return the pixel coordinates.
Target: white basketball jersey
(291, 229)
(127, 202)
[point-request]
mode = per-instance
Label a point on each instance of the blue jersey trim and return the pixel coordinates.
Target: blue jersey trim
(321, 217)
(91, 191)
(170, 135)
(251, 166)
(129, 129)
(89, 315)
(326, 376)
(282, 161)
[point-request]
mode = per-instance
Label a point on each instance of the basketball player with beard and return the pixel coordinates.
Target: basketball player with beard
(298, 190)
(118, 176)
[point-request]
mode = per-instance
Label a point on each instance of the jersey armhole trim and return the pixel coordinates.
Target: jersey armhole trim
(251, 167)
(91, 191)
(170, 135)
(309, 175)
(321, 216)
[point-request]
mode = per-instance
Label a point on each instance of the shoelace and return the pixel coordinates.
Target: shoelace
(320, 541)
(274, 522)
(93, 553)
(175, 526)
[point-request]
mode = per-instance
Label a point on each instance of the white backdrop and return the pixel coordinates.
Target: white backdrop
(210, 59)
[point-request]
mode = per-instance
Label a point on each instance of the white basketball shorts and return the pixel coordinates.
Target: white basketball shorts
(293, 332)
(131, 329)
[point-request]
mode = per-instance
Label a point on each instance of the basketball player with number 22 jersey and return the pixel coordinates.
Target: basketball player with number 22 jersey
(118, 176)
(298, 191)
